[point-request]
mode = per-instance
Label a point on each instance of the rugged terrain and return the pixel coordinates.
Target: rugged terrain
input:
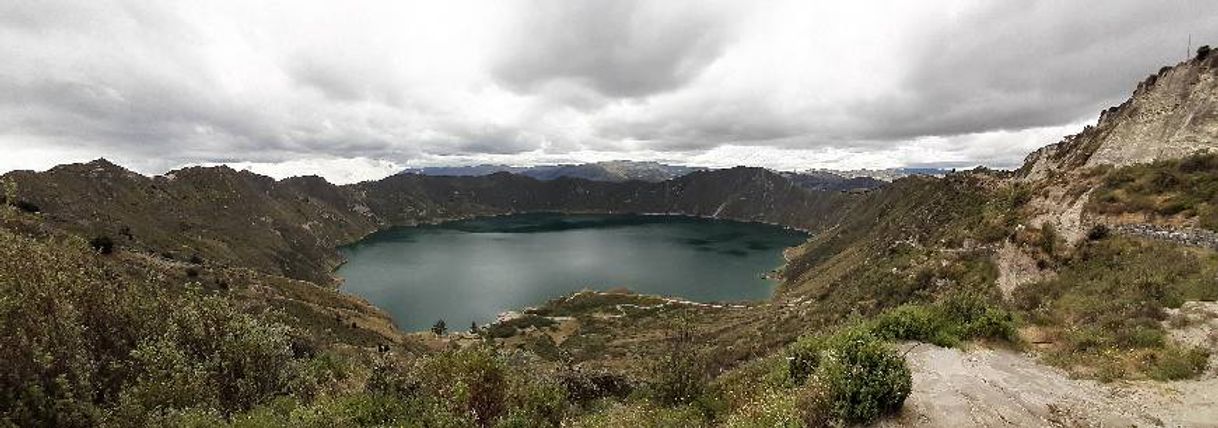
(1075, 291)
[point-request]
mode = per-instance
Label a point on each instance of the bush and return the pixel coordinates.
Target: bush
(948, 322)
(1175, 363)
(678, 377)
(1108, 303)
(484, 389)
(1048, 239)
(85, 345)
(815, 405)
(27, 206)
(915, 322)
(1097, 232)
(863, 378)
(583, 388)
(102, 244)
(500, 330)
(776, 408)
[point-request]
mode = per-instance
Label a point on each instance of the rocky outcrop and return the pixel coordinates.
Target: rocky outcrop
(1192, 237)
(1015, 268)
(1171, 114)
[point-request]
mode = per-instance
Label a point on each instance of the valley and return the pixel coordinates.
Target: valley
(207, 296)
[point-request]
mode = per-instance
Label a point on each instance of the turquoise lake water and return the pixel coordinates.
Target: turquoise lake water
(472, 270)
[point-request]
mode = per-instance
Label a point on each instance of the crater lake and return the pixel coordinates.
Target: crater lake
(472, 270)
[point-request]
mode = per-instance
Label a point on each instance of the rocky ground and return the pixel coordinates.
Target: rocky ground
(999, 387)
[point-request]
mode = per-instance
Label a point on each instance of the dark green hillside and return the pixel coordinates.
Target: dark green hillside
(217, 215)
(291, 227)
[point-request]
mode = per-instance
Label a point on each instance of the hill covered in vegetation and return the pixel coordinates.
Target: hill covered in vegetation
(204, 296)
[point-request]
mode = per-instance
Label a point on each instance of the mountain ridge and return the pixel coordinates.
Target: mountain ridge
(1030, 259)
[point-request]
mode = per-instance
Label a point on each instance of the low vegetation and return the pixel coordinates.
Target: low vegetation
(855, 377)
(85, 344)
(93, 333)
(948, 322)
(1178, 188)
(1105, 309)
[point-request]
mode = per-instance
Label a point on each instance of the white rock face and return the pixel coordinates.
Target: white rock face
(1171, 114)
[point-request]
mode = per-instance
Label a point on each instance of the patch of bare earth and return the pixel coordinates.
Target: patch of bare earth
(997, 387)
(1016, 267)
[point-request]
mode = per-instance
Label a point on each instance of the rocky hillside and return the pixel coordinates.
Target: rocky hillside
(1171, 114)
(830, 182)
(291, 227)
(219, 215)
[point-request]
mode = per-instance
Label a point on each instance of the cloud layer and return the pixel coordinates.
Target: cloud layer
(356, 90)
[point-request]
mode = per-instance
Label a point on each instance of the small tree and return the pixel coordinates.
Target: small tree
(1097, 232)
(103, 244)
(1203, 52)
(439, 327)
(473, 327)
(27, 206)
(679, 376)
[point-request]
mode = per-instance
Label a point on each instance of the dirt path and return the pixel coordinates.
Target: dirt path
(992, 388)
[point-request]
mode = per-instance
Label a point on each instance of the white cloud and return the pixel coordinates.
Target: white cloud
(334, 170)
(295, 87)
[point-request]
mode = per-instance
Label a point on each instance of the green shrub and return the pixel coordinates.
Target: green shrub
(102, 244)
(679, 376)
(1097, 232)
(951, 320)
(1108, 303)
(1185, 187)
(915, 322)
(85, 344)
(775, 408)
(862, 376)
(815, 405)
(584, 387)
(1176, 363)
(483, 386)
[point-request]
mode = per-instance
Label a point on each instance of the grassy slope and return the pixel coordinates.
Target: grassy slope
(894, 265)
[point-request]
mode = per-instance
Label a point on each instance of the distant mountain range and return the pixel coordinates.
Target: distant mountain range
(612, 171)
(830, 182)
(887, 174)
(654, 172)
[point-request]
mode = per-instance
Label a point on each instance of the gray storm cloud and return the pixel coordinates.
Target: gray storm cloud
(630, 48)
(170, 83)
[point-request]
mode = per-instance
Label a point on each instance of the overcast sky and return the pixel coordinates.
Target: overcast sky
(358, 89)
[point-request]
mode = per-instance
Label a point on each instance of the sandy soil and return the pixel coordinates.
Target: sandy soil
(996, 387)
